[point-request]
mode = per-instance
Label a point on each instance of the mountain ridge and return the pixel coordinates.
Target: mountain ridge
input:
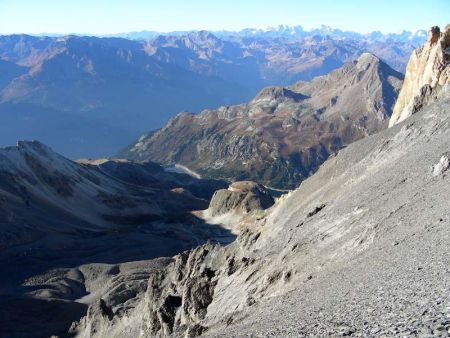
(417, 37)
(284, 133)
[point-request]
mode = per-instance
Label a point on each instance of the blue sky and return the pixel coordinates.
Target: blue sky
(114, 16)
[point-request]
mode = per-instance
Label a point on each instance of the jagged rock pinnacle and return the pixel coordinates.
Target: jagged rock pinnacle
(434, 34)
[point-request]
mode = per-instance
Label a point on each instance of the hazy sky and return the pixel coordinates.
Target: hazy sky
(114, 16)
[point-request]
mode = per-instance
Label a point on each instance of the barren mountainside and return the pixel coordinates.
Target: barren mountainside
(281, 136)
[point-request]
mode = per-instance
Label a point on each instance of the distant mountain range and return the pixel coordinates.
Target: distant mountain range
(293, 32)
(91, 96)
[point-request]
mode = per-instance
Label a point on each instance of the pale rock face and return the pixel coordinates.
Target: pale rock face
(426, 73)
(442, 166)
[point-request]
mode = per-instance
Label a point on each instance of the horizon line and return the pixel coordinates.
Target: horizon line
(262, 29)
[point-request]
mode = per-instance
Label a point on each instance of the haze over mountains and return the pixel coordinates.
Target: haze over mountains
(90, 97)
(293, 32)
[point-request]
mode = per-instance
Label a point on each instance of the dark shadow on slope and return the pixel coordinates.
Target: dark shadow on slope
(124, 243)
(29, 317)
(26, 317)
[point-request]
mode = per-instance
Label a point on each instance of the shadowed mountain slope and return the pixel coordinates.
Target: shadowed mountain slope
(59, 213)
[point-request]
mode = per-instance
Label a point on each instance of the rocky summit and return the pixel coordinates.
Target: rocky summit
(283, 135)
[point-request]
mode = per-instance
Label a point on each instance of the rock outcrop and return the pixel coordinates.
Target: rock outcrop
(284, 134)
(427, 72)
(442, 166)
(241, 197)
(177, 297)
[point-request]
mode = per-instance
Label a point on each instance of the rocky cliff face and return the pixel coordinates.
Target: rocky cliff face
(427, 72)
(284, 134)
